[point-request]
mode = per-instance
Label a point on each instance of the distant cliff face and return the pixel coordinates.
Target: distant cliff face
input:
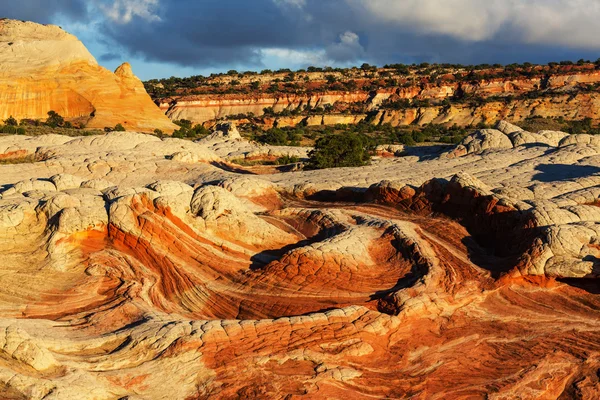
(436, 95)
(43, 68)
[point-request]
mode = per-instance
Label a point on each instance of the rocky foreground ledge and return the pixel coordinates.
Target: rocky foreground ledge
(145, 268)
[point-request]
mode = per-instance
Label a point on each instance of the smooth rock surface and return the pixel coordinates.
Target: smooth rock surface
(145, 268)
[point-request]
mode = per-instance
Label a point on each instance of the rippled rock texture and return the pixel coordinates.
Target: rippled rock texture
(141, 268)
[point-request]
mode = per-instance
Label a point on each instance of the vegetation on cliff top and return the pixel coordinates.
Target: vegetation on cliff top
(364, 78)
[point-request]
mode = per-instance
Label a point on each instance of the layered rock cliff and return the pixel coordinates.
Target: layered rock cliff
(437, 95)
(43, 68)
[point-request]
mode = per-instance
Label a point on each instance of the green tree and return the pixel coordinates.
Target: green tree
(200, 131)
(184, 123)
(11, 121)
(54, 119)
(180, 133)
(274, 136)
(348, 150)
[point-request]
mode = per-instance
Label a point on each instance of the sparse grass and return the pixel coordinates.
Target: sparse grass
(28, 159)
(251, 163)
(543, 124)
(32, 130)
(536, 124)
(285, 160)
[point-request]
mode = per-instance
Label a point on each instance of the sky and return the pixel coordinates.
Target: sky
(163, 38)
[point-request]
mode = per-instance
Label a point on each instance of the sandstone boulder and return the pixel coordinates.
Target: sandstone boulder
(484, 139)
(58, 73)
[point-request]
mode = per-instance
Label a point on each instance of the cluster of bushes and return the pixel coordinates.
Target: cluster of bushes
(279, 136)
(583, 126)
(249, 115)
(117, 128)
(343, 150)
(11, 127)
(433, 73)
(377, 134)
(284, 160)
(302, 110)
(14, 127)
(538, 123)
(402, 104)
(188, 130)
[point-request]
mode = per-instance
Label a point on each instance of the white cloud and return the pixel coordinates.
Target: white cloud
(294, 3)
(123, 11)
(299, 58)
(566, 22)
(344, 52)
(347, 49)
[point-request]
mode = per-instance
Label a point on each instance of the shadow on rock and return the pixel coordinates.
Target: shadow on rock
(563, 172)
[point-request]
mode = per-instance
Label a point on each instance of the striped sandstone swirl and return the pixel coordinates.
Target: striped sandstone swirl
(141, 268)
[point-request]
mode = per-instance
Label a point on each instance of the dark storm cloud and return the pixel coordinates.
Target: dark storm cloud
(43, 11)
(235, 33)
(210, 32)
(217, 32)
(110, 57)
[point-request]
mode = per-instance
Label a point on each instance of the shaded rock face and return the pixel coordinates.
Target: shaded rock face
(43, 68)
(140, 267)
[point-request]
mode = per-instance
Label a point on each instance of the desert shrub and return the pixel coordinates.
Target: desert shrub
(280, 137)
(200, 131)
(347, 150)
(54, 119)
(119, 128)
(419, 136)
(274, 136)
(184, 123)
(403, 138)
(197, 131)
(21, 131)
(11, 121)
(287, 159)
(179, 133)
(8, 129)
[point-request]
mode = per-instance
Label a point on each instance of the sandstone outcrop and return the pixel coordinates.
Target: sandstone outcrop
(507, 135)
(139, 267)
(435, 94)
(56, 72)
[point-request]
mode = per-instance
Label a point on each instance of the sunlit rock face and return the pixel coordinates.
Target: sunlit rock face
(135, 267)
(364, 97)
(43, 68)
